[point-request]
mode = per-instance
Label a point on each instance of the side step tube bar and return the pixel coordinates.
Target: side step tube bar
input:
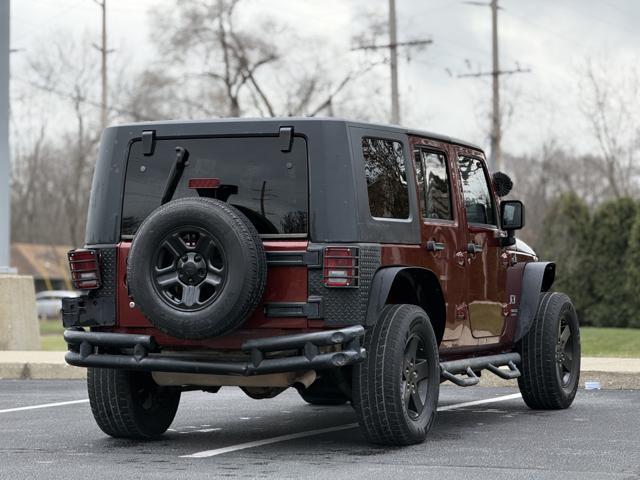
(463, 372)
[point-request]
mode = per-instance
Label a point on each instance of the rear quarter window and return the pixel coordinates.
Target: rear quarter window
(385, 171)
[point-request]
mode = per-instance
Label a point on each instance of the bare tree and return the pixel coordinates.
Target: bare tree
(69, 63)
(611, 106)
(215, 64)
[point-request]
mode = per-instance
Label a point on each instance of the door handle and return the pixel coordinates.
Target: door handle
(474, 248)
(433, 246)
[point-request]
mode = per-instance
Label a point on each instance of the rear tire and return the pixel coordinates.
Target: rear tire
(551, 355)
(390, 410)
(130, 404)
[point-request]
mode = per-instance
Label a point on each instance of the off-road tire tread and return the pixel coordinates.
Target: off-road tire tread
(112, 408)
(380, 415)
(258, 275)
(538, 382)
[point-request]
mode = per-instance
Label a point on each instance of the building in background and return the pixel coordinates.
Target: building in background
(47, 264)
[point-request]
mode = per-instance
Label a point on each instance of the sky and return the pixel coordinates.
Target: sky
(552, 38)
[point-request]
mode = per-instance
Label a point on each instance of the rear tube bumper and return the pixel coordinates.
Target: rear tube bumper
(141, 353)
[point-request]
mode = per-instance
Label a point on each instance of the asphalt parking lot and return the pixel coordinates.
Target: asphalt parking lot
(480, 433)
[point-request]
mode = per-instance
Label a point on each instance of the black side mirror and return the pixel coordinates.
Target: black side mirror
(502, 184)
(511, 215)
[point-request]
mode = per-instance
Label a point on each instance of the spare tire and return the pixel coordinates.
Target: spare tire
(196, 268)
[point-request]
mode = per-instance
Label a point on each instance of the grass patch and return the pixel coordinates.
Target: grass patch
(51, 327)
(53, 343)
(610, 342)
(51, 335)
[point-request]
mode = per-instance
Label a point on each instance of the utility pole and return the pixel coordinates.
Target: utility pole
(496, 127)
(393, 49)
(5, 164)
(392, 46)
(104, 108)
(495, 160)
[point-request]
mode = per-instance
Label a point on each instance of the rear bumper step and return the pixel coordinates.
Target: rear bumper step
(463, 372)
(141, 352)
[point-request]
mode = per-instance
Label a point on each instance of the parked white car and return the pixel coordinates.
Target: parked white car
(49, 302)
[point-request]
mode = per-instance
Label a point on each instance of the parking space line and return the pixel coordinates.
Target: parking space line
(44, 405)
(320, 431)
(267, 441)
(479, 402)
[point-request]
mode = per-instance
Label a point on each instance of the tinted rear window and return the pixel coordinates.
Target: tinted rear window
(386, 178)
(272, 186)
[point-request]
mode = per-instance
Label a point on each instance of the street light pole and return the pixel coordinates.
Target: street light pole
(5, 169)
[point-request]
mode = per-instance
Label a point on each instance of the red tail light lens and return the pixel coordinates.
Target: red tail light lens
(205, 183)
(85, 269)
(340, 267)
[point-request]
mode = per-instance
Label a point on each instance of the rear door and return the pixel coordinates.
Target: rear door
(485, 271)
(441, 232)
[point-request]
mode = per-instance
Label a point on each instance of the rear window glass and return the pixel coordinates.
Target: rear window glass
(386, 178)
(272, 186)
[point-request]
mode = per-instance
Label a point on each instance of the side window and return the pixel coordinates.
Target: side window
(386, 178)
(477, 197)
(433, 185)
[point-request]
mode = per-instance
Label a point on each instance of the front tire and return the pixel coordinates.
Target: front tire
(396, 388)
(551, 355)
(130, 404)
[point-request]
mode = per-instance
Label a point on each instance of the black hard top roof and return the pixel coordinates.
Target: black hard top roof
(245, 124)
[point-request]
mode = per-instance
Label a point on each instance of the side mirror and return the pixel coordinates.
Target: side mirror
(502, 184)
(511, 215)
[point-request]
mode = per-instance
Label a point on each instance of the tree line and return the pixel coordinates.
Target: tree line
(597, 255)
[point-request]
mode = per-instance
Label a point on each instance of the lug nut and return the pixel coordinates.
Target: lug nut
(185, 258)
(197, 258)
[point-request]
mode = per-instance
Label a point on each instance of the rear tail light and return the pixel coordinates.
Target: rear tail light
(340, 267)
(85, 269)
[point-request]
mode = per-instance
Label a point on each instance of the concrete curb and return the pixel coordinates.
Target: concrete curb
(612, 373)
(36, 365)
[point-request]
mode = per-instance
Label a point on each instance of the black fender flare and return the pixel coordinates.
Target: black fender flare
(380, 288)
(424, 285)
(536, 278)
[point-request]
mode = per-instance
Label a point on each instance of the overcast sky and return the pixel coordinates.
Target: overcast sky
(553, 38)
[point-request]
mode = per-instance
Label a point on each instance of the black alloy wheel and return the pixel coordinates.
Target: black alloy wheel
(415, 376)
(196, 268)
(565, 351)
(189, 268)
(550, 365)
(396, 388)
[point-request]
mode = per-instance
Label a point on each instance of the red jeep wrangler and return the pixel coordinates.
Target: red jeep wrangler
(354, 262)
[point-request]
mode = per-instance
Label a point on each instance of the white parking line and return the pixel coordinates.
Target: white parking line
(267, 441)
(309, 433)
(44, 405)
(480, 402)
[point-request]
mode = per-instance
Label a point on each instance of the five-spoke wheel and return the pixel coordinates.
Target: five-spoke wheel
(189, 268)
(395, 389)
(550, 353)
